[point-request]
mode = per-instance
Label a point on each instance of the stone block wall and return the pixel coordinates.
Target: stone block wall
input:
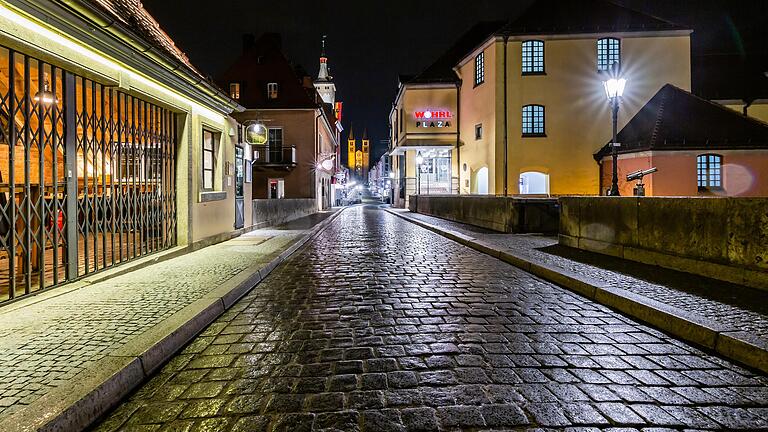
(268, 212)
(721, 238)
(503, 214)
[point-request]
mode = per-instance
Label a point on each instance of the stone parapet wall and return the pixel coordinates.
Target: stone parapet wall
(276, 211)
(503, 214)
(720, 238)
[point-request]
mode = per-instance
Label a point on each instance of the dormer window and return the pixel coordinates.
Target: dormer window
(234, 90)
(272, 90)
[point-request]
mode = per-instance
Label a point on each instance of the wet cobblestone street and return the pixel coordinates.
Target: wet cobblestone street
(380, 325)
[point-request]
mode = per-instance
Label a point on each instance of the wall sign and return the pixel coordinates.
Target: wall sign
(256, 134)
(437, 118)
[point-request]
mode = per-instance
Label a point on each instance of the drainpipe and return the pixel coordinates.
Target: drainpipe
(458, 131)
(747, 104)
(317, 153)
(506, 116)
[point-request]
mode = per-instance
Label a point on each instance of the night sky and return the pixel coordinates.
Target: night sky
(370, 43)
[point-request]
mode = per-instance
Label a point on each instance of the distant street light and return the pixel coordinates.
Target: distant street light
(614, 89)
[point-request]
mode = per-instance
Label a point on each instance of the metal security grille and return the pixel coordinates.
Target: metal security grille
(87, 176)
(126, 192)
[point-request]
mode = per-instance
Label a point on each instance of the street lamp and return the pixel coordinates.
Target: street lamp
(614, 89)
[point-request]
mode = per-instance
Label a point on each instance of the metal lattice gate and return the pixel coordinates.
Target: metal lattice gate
(87, 176)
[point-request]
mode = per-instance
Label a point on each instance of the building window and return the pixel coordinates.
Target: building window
(479, 69)
(234, 90)
(608, 53)
(533, 57)
(478, 131)
(533, 120)
(209, 159)
(272, 90)
(709, 170)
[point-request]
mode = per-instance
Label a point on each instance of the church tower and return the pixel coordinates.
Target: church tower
(351, 148)
(366, 149)
(324, 83)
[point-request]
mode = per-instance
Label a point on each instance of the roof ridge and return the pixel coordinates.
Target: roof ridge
(719, 106)
(659, 119)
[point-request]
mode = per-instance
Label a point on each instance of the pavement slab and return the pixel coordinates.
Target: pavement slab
(379, 324)
(71, 338)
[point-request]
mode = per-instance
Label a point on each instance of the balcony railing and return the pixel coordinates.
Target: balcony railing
(274, 156)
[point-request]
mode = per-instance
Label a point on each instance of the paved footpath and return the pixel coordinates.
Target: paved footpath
(380, 325)
(49, 341)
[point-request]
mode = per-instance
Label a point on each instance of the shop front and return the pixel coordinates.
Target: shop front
(425, 137)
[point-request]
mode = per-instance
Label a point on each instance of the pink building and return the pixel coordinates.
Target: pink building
(699, 147)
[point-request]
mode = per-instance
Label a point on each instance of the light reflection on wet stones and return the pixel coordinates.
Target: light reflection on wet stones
(379, 325)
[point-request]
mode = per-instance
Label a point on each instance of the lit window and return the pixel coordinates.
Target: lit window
(533, 57)
(478, 131)
(709, 170)
(608, 53)
(272, 90)
(480, 69)
(209, 159)
(533, 120)
(234, 90)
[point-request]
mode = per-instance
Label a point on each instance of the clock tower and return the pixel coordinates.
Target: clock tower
(324, 82)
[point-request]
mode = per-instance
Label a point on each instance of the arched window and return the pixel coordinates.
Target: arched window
(533, 120)
(709, 171)
(534, 183)
(533, 57)
(608, 53)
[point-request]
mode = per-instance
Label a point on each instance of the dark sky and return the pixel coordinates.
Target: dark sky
(370, 43)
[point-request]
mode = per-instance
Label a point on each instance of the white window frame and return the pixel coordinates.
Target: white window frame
(273, 90)
(480, 68)
(234, 90)
(212, 169)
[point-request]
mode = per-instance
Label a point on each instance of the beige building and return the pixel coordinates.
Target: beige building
(531, 105)
(112, 145)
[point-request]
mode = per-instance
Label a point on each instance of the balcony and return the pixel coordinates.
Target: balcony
(270, 157)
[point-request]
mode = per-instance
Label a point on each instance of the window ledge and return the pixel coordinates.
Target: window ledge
(534, 73)
(479, 84)
(534, 135)
(211, 196)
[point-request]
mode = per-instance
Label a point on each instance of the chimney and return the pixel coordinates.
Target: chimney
(249, 40)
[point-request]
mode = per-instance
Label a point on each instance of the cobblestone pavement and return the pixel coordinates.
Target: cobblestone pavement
(45, 344)
(380, 325)
(736, 306)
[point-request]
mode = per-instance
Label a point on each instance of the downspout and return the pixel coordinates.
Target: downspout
(458, 132)
(317, 153)
(506, 116)
(747, 104)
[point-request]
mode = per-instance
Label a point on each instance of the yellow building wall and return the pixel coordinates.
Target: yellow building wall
(478, 106)
(757, 110)
(195, 220)
(577, 113)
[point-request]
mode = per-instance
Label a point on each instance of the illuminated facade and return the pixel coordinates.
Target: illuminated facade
(528, 109)
(125, 157)
(358, 158)
(351, 151)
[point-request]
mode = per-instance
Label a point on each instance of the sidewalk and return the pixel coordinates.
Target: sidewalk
(727, 318)
(68, 354)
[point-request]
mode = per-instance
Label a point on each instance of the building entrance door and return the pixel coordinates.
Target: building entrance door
(239, 188)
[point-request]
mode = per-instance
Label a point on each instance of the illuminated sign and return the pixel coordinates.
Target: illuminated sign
(437, 118)
(256, 133)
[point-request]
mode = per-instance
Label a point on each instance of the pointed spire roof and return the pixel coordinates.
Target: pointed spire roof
(351, 134)
(324, 74)
(365, 134)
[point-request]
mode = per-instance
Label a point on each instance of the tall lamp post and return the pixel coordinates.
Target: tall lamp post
(614, 89)
(419, 161)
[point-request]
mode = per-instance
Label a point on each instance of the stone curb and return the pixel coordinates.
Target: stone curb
(728, 342)
(77, 404)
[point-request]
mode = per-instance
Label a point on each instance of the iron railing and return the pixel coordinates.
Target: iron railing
(274, 155)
